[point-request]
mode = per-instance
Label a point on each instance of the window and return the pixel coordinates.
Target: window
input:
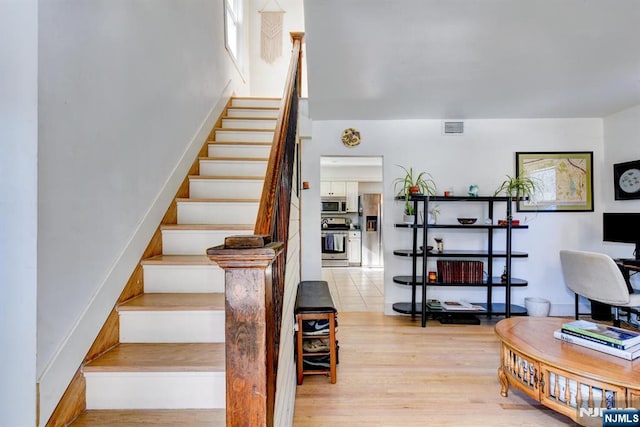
(233, 28)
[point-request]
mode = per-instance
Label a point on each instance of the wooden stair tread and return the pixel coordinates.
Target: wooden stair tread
(161, 357)
(178, 260)
(248, 118)
(203, 200)
(227, 177)
(247, 143)
(242, 130)
(256, 98)
(236, 107)
(174, 302)
(235, 159)
(207, 227)
(150, 417)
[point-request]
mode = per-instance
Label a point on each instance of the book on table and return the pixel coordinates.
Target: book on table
(594, 339)
(630, 353)
(621, 337)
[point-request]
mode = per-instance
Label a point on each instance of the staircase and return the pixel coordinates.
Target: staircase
(168, 368)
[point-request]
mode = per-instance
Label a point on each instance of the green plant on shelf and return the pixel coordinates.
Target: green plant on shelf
(413, 182)
(518, 186)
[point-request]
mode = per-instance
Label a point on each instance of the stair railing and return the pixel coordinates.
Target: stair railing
(254, 274)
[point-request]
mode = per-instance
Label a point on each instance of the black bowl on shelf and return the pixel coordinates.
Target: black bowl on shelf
(467, 221)
(429, 248)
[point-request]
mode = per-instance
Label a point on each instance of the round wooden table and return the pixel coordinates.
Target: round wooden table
(570, 379)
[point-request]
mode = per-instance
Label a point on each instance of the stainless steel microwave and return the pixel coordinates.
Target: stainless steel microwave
(334, 205)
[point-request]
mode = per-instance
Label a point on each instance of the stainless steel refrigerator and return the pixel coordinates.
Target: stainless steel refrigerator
(371, 225)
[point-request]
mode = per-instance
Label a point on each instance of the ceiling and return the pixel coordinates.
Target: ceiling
(471, 59)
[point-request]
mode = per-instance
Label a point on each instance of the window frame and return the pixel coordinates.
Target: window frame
(233, 10)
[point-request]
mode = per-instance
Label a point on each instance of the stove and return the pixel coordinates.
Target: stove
(332, 223)
(335, 232)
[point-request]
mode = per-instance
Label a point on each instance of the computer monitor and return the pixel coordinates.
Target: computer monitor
(622, 228)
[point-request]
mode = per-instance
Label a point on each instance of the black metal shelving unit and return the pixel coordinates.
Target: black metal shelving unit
(419, 281)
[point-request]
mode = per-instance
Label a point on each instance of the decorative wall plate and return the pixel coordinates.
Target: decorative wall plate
(351, 137)
(626, 180)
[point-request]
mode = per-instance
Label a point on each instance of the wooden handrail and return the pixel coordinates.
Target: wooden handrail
(255, 275)
(266, 220)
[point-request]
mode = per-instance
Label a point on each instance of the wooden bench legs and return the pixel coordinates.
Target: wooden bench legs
(329, 335)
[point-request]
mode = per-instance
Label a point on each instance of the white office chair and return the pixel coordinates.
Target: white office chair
(597, 277)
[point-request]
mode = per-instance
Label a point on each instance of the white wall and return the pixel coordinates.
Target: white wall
(18, 210)
(351, 173)
(621, 144)
(268, 79)
(482, 156)
(128, 92)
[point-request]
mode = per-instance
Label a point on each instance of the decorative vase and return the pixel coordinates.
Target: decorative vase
(409, 219)
(537, 307)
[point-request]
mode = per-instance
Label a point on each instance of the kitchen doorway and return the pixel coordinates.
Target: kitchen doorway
(351, 228)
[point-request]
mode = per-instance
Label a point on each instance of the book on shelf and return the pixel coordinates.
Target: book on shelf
(630, 353)
(460, 271)
(434, 304)
(619, 336)
(460, 306)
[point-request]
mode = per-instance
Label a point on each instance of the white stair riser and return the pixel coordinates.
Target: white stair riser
(233, 167)
(183, 278)
(194, 242)
(217, 213)
(225, 188)
(255, 102)
(248, 112)
(153, 390)
(171, 326)
(248, 124)
(243, 136)
(245, 151)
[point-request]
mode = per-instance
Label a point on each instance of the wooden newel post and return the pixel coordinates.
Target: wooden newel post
(250, 376)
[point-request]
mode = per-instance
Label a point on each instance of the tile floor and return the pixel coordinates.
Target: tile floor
(355, 288)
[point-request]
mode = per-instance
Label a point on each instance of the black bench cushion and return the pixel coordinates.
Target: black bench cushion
(314, 297)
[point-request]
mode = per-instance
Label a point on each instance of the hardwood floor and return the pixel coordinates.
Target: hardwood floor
(392, 372)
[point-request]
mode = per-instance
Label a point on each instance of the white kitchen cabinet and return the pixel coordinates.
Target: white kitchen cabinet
(333, 189)
(354, 247)
(352, 196)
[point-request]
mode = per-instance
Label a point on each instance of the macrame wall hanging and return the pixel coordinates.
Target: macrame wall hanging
(271, 32)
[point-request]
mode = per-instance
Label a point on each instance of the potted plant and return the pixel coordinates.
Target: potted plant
(413, 183)
(433, 214)
(517, 187)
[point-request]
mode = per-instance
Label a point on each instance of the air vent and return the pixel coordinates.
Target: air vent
(453, 128)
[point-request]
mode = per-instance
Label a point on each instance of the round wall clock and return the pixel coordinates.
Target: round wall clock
(351, 137)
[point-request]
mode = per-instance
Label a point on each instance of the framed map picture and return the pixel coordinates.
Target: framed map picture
(564, 181)
(626, 180)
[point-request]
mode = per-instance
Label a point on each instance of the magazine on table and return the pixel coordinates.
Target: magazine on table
(594, 339)
(622, 337)
(631, 353)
